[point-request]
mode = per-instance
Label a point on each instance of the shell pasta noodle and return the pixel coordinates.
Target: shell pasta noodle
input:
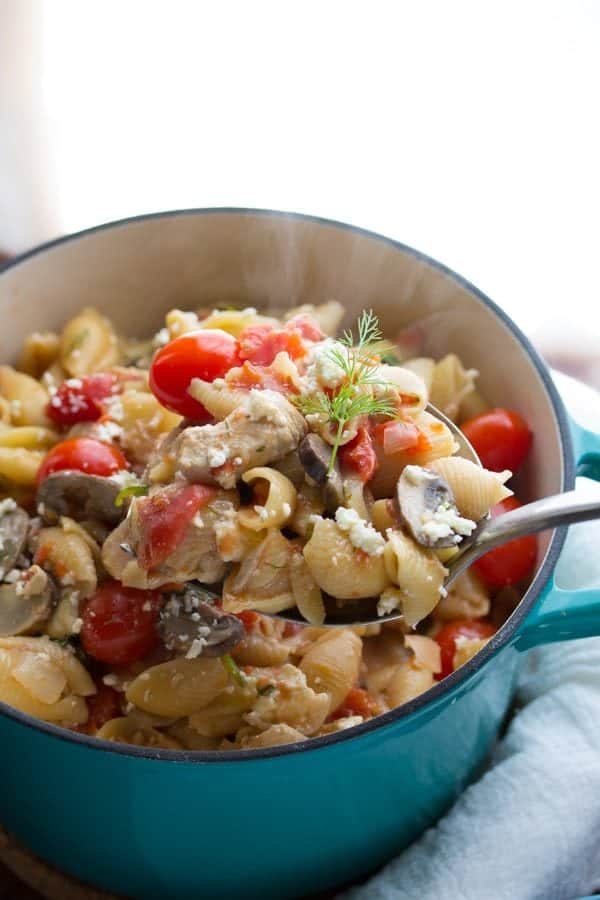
(163, 498)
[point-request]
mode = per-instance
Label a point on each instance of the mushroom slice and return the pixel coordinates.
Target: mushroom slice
(190, 623)
(81, 496)
(315, 455)
(13, 534)
(428, 509)
(25, 605)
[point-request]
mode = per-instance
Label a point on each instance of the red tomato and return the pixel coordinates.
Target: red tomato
(119, 623)
(359, 456)
(206, 354)
(80, 399)
(446, 638)
(260, 344)
(501, 438)
(164, 518)
(307, 327)
(102, 706)
(84, 455)
(357, 702)
(511, 562)
(249, 618)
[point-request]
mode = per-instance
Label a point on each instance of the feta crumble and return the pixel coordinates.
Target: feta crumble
(362, 534)
(216, 456)
(7, 506)
(445, 521)
(322, 370)
(195, 648)
(76, 626)
(262, 512)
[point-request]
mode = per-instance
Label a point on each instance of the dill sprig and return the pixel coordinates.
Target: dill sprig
(359, 361)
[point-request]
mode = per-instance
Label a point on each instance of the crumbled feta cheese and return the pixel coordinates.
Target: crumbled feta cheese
(107, 431)
(362, 534)
(389, 602)
(445, 521)
(323, 370)
(74, 383)
(110, 680)
(76, 626)
(262, 512)
(161, 338)
(217, 456)
(265, 406)
(114, 408)
(237, 460)
(196, 648)
(124, 478)
(7, 505)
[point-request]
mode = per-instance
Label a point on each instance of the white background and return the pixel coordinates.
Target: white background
(467, 129)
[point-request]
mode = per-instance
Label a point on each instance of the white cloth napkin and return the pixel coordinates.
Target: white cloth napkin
(529, 829)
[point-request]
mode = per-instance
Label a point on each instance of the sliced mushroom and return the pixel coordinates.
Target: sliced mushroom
(25, 605)
(315, 455)
(13, 535)
(81, 496)
(426, 502)
(191, 623)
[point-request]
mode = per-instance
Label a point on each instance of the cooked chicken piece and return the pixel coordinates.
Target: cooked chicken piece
(194, 558)
(262, 431)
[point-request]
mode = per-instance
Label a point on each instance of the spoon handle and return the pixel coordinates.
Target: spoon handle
(550, 512)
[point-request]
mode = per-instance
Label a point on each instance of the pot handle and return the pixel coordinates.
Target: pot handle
(562, 615)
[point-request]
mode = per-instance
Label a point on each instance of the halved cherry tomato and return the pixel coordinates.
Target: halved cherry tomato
(119, 623)
(205, 354)
(511, 562)
(84, 455)
(359, 456)
(448, 635)
(357, 702)
(501, 438)
(80, 399)
(260, 344)
(102, 706)
(163, 520)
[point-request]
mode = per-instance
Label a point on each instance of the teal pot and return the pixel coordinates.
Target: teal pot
(286, 821)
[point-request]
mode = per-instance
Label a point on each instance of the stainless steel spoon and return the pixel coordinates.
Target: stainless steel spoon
(550, 512)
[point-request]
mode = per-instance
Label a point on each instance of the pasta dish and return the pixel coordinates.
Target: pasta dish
(162, 500)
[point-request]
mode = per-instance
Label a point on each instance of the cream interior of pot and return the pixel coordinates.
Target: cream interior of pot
(134, 272)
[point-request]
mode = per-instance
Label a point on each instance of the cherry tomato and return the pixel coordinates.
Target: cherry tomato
(206, 354)
(163, 520)
(501, 438)
(102, 706)
(447, 637)
(359, 456)
(84, 455)
(119, 623)
(511, 562)
(357, 702)
(307, 327)
(80, 399)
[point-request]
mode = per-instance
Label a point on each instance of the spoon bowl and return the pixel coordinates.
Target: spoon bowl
(549, 512)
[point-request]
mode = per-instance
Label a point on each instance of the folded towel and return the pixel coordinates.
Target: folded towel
(529, 829)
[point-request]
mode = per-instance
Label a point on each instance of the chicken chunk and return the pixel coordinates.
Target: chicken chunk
(195, 556)
(262, 431)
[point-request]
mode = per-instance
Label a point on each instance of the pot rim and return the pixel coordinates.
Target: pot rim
(501, 638)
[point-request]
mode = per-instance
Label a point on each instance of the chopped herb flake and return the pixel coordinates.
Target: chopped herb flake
(233, 669)
(132, 490)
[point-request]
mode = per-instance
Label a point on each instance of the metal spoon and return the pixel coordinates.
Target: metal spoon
(550, 512)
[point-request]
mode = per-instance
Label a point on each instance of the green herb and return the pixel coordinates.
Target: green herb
(62, 642)
(266, 690)
(78, 340)
(356, 359)
(233, 669)
(132, 490)
(391, 358)
(261, 449)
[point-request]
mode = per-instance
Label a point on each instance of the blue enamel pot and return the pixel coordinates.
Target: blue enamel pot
(292, 820)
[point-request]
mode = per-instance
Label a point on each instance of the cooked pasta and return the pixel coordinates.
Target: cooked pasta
(153, 526)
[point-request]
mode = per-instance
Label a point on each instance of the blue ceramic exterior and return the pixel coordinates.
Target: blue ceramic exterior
(285, 822)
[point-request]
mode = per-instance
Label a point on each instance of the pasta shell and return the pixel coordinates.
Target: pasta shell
(475, 489)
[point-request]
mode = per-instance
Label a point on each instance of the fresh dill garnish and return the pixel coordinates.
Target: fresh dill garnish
(359, 361)
(233, 669)
(132, 490)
